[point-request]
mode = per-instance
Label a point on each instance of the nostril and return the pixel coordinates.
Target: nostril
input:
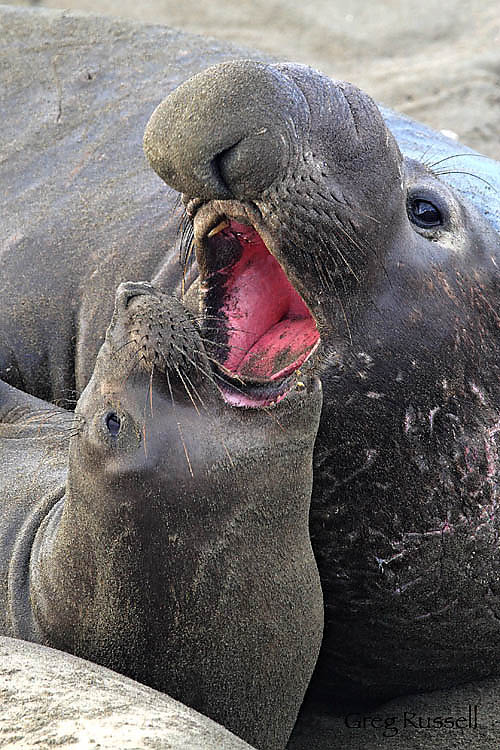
(250, 165)
(130, 289)
(221, 166)
(207, 180)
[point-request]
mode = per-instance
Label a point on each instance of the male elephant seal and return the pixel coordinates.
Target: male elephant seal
(170, 540)
(403, 278)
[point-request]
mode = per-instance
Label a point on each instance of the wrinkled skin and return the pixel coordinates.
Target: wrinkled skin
(404, 493)
(167, 543)
(404, 519)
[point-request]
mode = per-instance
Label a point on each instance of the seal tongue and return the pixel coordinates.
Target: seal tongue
(278, 344)
(270, 329)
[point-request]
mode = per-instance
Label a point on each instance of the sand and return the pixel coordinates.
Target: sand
(436, 60)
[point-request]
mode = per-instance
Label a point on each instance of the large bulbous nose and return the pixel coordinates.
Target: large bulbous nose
(222, 134)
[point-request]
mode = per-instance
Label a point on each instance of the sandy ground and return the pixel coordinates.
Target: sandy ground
(436, 60)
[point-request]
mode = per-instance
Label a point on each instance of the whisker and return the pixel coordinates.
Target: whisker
(151, 391)
(338, 251)
(187, 390)
(424, 154)
(179, 426)
(127, 343)
(195, 391)
(135, 362)
(440, 173)
(346, 319)
(149, 394)
(208, 412)
(201, 319)
(211, 375)
(65, 427)
(185, 265)
(457, 156)
(196, 365)
(216, 343)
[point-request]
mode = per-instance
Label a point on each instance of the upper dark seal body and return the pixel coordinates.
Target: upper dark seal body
(170, 541)
(401, 273)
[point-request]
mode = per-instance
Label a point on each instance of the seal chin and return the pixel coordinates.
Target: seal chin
(258, 330)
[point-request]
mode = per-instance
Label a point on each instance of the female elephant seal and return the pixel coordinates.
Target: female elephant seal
(170, 541)
(402, 275)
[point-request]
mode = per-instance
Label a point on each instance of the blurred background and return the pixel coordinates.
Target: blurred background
(436, 60)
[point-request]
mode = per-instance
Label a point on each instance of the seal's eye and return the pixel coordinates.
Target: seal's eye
(113, 423)
(424, 213)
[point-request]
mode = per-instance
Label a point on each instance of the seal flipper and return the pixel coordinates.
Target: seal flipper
(33, 454)
(14, 404)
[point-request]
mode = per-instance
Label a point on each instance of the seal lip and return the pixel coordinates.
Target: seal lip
(259, 393)
(257, 328)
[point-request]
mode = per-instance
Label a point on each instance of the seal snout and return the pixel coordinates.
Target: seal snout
(281, 194)
(189, 149)
(153, 332)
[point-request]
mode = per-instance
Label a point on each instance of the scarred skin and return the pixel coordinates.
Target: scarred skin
(169, 541)
(404, 517)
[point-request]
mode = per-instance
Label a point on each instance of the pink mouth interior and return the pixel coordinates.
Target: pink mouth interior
(270, 329)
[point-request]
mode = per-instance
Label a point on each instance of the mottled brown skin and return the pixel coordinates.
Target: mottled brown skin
(170, 542)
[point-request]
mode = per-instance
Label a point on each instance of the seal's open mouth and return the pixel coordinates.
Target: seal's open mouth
(258, 330)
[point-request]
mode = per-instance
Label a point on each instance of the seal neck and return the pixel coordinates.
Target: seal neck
(108, 575)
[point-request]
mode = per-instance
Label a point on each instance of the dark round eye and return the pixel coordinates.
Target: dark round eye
(113, 423)
(424, 213)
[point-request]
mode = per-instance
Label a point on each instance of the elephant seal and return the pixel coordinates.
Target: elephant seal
(73, 702)
(402, 276)
(388, 466)
(169, 540)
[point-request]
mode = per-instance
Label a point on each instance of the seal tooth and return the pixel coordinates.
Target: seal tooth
(220, 226)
